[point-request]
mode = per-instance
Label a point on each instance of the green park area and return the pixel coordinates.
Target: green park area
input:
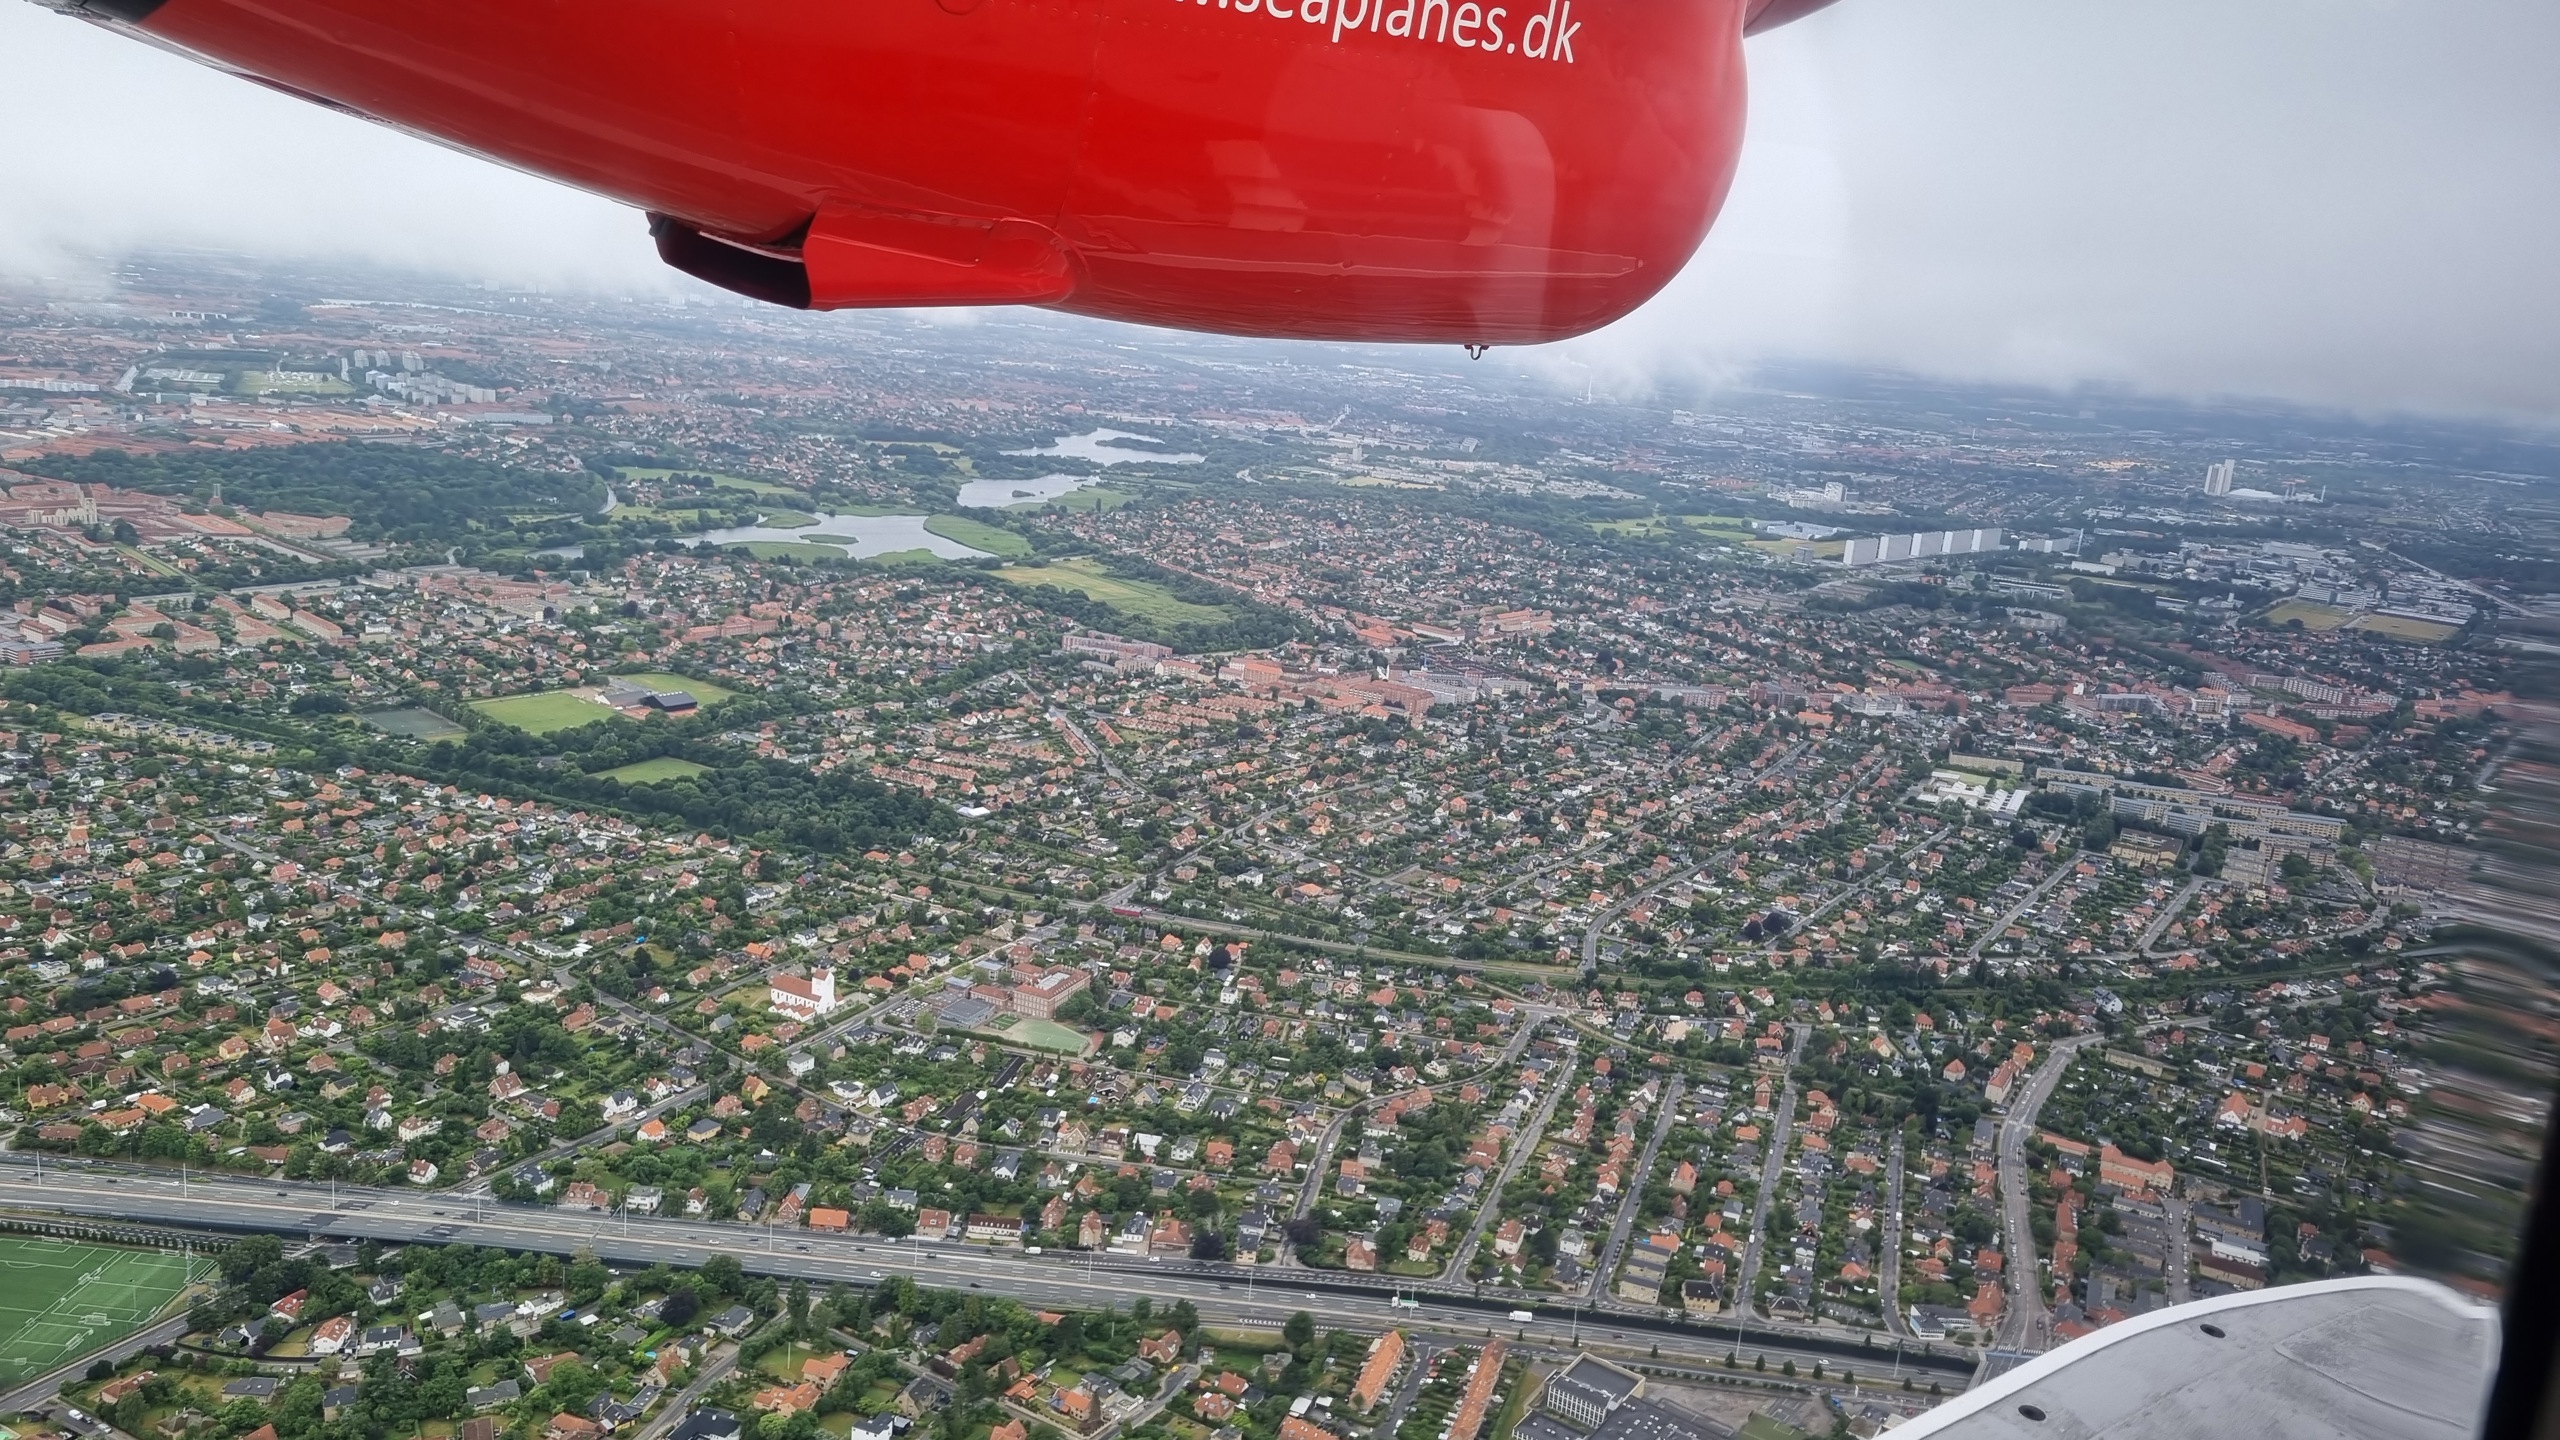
(1143, 598)
(60, 1299)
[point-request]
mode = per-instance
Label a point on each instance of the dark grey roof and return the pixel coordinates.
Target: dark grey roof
(1591, 1373)
(707, 1425)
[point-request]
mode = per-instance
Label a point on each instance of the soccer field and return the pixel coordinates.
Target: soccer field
(545, 711)
(60, 1299)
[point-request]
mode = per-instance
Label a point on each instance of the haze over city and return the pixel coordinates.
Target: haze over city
(2341, 204)
(1946, 828)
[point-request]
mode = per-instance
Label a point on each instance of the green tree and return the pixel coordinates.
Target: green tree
(1299, 1330)
(724, 1274)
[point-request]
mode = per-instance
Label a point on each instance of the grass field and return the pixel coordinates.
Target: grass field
(647, 772)
(978, 534)
(544, 712)
(1713, 527)
(1719, 527)
(702, 690)
(1143, 598)
(1045, 1035)
(152, 563)
(2313, 617)
(60, 1299)
(1091, 497)
(2401, 627)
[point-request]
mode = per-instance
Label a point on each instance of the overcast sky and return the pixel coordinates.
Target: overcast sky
(2340, 201)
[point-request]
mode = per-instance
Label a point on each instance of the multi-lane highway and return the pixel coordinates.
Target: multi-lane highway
(1222, 1292)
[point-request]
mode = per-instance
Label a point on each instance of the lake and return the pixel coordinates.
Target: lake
(997, 494)
(1098, 446)
(859, 536)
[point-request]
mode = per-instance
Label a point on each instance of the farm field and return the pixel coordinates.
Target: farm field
(1143, 598)
(60, 1299)
(646, 772)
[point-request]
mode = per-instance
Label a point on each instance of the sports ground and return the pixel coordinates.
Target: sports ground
(60, 1299)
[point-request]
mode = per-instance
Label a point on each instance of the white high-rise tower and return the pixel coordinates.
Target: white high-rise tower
(2217, 478)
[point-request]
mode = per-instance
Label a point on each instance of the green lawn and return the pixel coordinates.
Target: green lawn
(978, 534)
(1143, 598)
(702, 690)
(544, 712)
(646, 772)
(60, 1299)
